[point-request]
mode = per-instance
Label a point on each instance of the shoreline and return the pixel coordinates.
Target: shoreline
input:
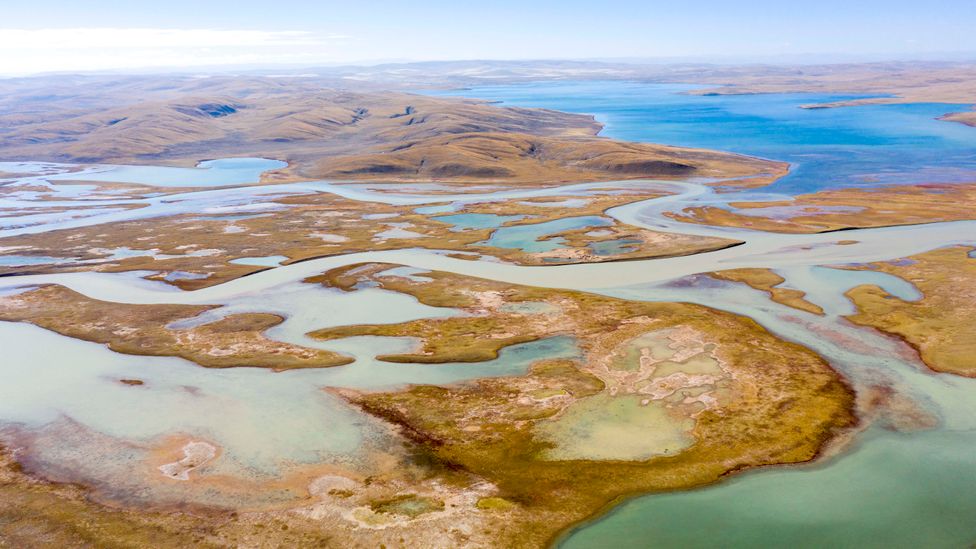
(833, 436)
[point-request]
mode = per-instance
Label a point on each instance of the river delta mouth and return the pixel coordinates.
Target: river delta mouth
(349, 445)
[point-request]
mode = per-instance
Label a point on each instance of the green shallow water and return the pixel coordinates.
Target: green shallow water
(531, 238)
(914, 490)
(74, 421)
(609, 428)
(466, 221)
(889, 490)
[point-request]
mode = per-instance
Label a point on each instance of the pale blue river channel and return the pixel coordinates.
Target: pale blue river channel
(885, 487)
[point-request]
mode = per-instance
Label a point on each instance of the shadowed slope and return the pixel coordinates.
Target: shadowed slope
(325, 132)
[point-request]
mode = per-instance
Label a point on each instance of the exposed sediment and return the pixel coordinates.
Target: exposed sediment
(766, 280)
(842, 209)
(235, 340)
(750, 399)
(193, 251)
(939, 325)
(488, 462)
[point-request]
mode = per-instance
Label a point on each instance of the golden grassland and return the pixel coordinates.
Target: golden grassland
(766, 280)
(864, 208)
(939, 325)
(967, 117)
(476, 469)
(235, 340)
(34, 513)
(907, 82)
(542, 159)
(324, 225)
(324, 132)
(777, 402)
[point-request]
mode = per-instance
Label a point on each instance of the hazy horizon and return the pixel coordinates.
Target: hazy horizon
(101, 36)
(295, 69)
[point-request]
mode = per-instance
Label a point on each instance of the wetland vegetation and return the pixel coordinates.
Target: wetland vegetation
(490, 326)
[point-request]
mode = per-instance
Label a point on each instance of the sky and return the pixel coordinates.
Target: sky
(86, 35)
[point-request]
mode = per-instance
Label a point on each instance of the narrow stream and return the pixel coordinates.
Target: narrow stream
(42, 389)
(905, 480)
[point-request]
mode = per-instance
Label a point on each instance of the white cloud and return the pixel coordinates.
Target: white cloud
(25, 51)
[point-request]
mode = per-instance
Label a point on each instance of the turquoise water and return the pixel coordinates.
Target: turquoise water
(466, 221)
(27, 260)
(440, 208)
(266, 423)
(266, 261)
(613, 247)
(880, 495)
(183, 275)
(826, 287)
(527, 237)
(210, 173)
(304, 311)
(888, 490)
(827, 147)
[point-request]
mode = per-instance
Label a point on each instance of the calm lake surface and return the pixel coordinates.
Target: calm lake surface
(891, 489)
(828, 148)
(887, 489)
(209, 173)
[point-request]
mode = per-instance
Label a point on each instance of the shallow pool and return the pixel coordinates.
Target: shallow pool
(210, 173)
(531, 238)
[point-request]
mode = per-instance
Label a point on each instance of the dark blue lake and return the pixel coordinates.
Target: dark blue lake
(828, 148)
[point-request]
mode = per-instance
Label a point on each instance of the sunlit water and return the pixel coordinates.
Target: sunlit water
(838, 147)
(210, 173)
(886, 489)
(892, 490)
(85, 425)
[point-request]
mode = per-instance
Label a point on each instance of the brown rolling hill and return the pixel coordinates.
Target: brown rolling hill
(325, 132)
